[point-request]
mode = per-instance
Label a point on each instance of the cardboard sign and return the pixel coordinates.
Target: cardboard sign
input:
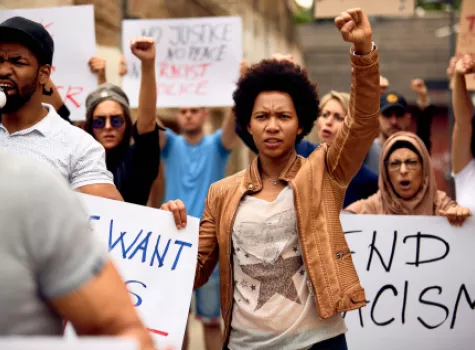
(156, 261)
(72, 29)
(333, 8)
(419, 279)
(55, 343)
(197, 61)
(466, 36)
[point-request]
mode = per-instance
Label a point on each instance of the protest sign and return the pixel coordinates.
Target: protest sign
(156, 261)
(55, 343)
(72, 29)
(197, 61)
(419, 279)
(466, 36)
(332, 8)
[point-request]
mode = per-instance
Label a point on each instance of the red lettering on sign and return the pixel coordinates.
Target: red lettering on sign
(471, 22)
(70, 93)
(200, 87)
(180, 89)
(182, 71)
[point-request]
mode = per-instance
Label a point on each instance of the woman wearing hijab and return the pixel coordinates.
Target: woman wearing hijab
(407, 184)
(108, 120)
(285, 268)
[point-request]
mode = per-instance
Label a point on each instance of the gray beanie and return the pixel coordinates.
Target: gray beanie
(106, 92)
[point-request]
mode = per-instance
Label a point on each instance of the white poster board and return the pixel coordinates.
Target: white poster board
(197, 61)
(419, 277)
(156, 261)
(72, 29)
(333, 8)
(55, 343)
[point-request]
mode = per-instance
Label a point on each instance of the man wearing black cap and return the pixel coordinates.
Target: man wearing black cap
(395, 116)
(31, 128)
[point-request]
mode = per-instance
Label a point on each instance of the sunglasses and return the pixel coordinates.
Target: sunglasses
(100, 122)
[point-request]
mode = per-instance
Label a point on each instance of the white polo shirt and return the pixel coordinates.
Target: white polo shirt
(70, 150)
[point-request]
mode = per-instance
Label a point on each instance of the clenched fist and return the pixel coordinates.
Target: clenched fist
(465, 65)
(143, 48)
(97, 65)
(355, 28)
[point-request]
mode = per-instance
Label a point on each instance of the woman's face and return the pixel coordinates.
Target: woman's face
(330, 120)
(274, 124)
(108, 124)
(405, 172)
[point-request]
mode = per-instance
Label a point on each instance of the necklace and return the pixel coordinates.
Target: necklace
(274, 182)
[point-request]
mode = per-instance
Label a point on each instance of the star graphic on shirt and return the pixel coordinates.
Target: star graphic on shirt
(296, 249)
(243, 284)
(253, 287)
(275, 278)
(302, 272)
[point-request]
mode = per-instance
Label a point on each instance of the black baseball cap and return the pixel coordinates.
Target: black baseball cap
(392, 100)
(31, 34)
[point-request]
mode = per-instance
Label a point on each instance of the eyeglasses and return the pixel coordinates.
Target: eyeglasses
(395, 165)
(100, 122)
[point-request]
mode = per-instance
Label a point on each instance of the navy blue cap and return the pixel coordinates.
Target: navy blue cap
(392, 100)
(30, 34)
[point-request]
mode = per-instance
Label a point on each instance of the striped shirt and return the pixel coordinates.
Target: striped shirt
(70, 150)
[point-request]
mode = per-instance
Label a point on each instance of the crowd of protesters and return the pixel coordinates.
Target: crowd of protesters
(273, 224)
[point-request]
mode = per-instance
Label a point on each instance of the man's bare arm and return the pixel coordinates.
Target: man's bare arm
(102, 190)
(102, 307)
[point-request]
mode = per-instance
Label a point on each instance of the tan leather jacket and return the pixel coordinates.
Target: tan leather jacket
(319, 184)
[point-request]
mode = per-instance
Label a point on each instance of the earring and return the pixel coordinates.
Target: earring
(250, 132)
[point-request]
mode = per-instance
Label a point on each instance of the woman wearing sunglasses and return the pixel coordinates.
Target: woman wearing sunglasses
(407, 184)
(108, 120)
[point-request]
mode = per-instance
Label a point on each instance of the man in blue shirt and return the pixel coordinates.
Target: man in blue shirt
(192, 162)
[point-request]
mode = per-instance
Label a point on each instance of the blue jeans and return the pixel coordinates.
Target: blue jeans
(337, 343)
(207, 299)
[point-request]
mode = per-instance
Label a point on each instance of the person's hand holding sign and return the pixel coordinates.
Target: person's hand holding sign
(177, 208)
(355, 28)
(456, 215)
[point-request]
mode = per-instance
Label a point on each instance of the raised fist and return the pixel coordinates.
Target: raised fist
(451, 68)
(282, 57)
(419, 87)
(243, 67)
(143, 48)
(465, 65)
(97, 65)
(355, 28)
(122, 66)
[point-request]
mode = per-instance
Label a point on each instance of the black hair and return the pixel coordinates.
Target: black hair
(402, 144)
(273, 75)
(116, 154)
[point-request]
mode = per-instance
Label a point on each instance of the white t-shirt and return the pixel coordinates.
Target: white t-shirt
(68, 149)
(465, 186)
(273, 307)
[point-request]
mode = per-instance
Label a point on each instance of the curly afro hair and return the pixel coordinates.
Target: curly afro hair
(273, 75)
